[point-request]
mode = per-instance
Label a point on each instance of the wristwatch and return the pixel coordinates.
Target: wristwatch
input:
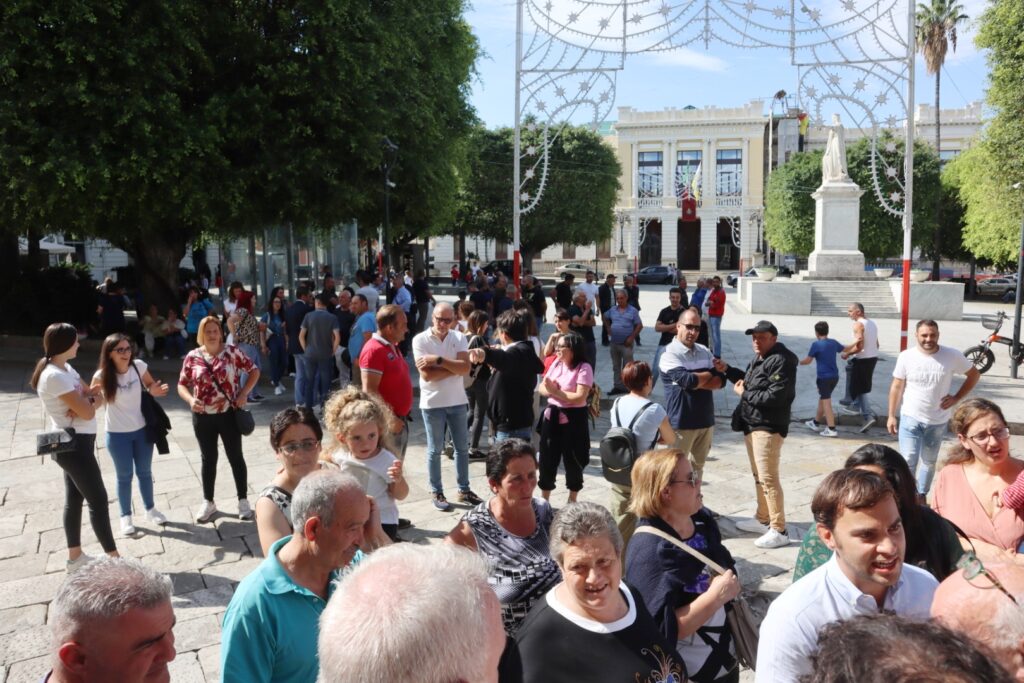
(440, 360)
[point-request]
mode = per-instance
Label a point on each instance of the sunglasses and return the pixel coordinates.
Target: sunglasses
(973, 568)
(293, 447)
(691, 328)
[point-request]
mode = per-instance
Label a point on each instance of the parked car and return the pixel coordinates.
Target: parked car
(996, 286)
(654, 275)
(577, 269)
(499, 266)
(732, 278)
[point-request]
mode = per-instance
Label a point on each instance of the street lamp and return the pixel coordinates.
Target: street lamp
(390, 150)
(623, 218)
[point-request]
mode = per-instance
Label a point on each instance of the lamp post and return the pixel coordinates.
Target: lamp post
(623, 218)
(390, 150)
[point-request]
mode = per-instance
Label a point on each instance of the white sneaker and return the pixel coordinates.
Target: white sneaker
(127, 528)
(752, 526)
(849, 410)
(278, 390)
(868, 424)
(813, 425)
(156, 516)
(73, 566)
(206, 512)
(244, 511)
(829, 432)
(772, 539)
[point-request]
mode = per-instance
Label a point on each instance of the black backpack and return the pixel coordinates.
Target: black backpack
(619, 450)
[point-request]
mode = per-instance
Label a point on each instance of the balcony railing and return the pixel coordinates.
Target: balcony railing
(649, 202)
(729, 200)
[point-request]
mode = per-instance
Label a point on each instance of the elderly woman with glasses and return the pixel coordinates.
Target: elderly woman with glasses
(295, 436)
(969, 489)
(592, 626)
(687, 601)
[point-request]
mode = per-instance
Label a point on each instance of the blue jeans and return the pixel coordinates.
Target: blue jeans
(300, 380)
(920, 440)
(278, 358)
(130, 451)
(715, 330)
(319, 372)
(254, 355)
(654, 366)
(435, 420)
(524, 433)
(861, 403)
(174, 345)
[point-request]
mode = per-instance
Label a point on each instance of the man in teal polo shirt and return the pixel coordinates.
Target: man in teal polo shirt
(271, 626)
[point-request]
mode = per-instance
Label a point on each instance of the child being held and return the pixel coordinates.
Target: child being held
(824, 351)
(360, 423)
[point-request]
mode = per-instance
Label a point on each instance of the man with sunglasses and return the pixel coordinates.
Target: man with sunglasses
(442, 358)
(980, 601)
(690, 377)
(858, 519)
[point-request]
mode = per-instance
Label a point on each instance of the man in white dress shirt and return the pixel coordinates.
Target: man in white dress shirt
(857, 518)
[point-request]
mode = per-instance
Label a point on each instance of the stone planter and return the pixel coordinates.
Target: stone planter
(920, 275)
(883, 273)
(766, 274)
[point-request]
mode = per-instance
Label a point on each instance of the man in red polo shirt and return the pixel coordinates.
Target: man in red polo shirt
(385, 372)
(715, 303)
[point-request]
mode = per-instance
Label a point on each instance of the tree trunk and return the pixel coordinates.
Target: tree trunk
(156, 257)
(462, 254)
(937, 240)
(35, 255)
(526, 256)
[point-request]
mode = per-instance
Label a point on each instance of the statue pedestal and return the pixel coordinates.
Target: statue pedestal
(836, 231)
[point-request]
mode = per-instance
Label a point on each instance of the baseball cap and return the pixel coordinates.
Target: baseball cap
(763, 326)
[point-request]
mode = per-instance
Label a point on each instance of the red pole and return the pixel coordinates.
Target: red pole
(905, 305)
(516, 270)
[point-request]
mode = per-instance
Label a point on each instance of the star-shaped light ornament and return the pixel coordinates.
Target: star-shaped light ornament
(896, 197)
(636, 18)
(573, 18)
(850, 5)
(834, 79)
(860, 84)
(584, 86)
(531, 127)
(603, 23)
(604, 96)
(779, 12)
(881, 98)
(542, 106)
(890, 172)
(524, 197)
(560, 92)
(814, 14)
(665, 10)
(529, 173)
(548, 6)
(890, 121)
(750, 7)
(811, 91)
(531, 150)
(890, 147)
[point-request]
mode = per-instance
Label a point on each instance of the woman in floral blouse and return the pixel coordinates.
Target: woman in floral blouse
(210, 383)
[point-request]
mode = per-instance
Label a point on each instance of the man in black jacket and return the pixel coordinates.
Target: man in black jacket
(605, 301)
(510, 388)
(766, 392)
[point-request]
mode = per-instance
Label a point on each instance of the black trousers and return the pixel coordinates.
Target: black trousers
(207, 428)
(568, 444)
(477, 395)
(83, 482)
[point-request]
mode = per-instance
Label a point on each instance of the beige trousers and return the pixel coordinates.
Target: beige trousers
(764, 449)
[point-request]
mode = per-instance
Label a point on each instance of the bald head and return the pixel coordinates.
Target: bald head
(980, 610)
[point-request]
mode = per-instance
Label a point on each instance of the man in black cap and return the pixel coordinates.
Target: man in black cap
(766, 392)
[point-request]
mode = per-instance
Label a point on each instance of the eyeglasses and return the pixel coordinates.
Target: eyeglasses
(973, 568)
(692, 480)
(293, 447)
(692, 328)
(123, 349)
(561, 346)
(446, 321)
(999, 434)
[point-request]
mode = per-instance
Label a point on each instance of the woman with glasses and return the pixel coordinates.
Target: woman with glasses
(932, 542)
(565, 431)
(295, 436)
(968, 490)
(687, 601)
(121, 379)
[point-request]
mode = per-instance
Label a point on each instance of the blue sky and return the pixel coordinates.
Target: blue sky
(722, 76)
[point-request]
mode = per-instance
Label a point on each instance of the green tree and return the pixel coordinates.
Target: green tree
(1001, 32)
(789, 219)
(936, 32)
(577, 204)
(159, 124)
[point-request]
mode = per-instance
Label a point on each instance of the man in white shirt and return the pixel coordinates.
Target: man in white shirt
(858, 519)
(367, 289)
(442, 358)
(922, 379)
(590, 289)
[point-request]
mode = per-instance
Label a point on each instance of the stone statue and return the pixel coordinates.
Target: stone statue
(833, 164)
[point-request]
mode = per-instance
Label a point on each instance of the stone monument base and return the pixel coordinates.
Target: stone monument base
(835, 263)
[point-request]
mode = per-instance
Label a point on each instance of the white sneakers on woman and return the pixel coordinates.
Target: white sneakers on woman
(127, 528)
(244, 510)
(156, 517)
(206, 512)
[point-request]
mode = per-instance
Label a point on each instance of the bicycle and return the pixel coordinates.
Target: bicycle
(982, 356)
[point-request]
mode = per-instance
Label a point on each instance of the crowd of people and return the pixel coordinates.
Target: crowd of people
(640, 589)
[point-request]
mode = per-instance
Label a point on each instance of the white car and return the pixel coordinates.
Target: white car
(579, 270)
(996, 286)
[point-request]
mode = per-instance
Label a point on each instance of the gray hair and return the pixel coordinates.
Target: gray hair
(1006, 628)
(103, 590)
(383, 621)
(315, 494)
(577, 521)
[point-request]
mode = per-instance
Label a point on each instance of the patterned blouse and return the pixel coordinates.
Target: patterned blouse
(521, 568)
(281, 498)
(227, 366)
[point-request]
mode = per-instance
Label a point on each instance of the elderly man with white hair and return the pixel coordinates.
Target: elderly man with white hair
(112, 621)
(384, 621)
(270, 628)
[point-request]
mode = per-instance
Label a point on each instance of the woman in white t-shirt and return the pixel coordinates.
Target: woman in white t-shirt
(121, 380)
(69, 403)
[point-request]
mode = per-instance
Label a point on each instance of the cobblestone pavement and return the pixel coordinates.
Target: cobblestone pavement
(206, 561)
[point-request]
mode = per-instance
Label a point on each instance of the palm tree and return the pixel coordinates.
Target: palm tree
(936, 31)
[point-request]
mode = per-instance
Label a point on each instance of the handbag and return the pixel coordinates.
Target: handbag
(56, 442)
(244, 420)
(739, 617)
(157, 422)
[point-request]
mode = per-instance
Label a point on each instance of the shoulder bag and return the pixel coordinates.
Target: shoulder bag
(244, 420)
(56, 442)
(157, 422)
(740, 618)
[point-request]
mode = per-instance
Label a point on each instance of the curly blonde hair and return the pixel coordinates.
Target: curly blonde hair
(353, 406)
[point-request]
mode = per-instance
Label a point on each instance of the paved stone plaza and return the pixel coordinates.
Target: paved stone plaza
(206, 561)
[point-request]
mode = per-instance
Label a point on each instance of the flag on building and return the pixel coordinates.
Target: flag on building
(695, 183)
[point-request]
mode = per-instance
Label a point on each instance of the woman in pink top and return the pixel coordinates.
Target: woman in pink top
(564, 432)
(968, 489)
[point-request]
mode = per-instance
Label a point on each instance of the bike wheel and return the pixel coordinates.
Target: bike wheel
(981, 358)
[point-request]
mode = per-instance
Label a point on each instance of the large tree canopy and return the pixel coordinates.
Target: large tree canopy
(1001, 31)
(578, 200)
(152, 124)
(789, 219)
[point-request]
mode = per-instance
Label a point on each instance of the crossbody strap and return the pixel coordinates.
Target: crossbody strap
(213, 376)
(638, 414)
(714, 566)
